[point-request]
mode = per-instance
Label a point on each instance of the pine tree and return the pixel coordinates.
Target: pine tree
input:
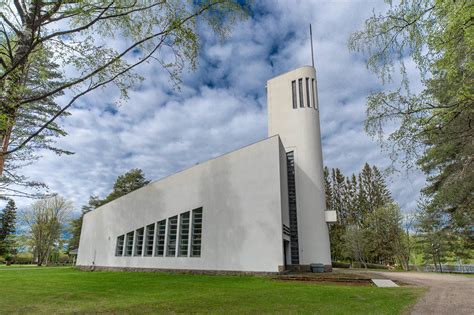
(7, 228)
(328, 189)
(126, 183)
(434, 235)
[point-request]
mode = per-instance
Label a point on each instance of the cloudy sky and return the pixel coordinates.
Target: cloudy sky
(222, 105)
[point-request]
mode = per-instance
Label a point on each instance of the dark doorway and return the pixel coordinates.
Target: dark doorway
(286, 248)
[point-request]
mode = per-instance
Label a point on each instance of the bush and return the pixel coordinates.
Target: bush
(2, 260)
(337, 264)
(23, 259)
(63, 259)
(369, 265)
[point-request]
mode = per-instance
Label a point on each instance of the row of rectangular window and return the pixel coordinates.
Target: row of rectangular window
(298, 95)
(142, 241)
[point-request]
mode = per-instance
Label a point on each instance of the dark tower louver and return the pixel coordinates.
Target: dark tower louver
(290, 163)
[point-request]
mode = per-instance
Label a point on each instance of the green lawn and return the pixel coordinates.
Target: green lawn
(66, 290)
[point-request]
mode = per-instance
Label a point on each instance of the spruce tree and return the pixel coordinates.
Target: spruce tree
(7, 228)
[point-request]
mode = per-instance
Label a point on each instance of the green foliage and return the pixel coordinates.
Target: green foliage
(435, 128)
(46, 220)
(66, 48)
(369, 226)
(23, 259)
(8, 228)
(127, 183)
(70, 291)
(385, 234)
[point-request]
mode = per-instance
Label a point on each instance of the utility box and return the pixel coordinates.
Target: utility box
(318, 268)
(331, 216)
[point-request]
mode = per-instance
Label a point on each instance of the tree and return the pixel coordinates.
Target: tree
(46, 220)
(127, 183)
(8, 228)
(374, 192)
(435, 128)
(74, 35)
(356, 244)
(357, 200)
(124, 184)
(385, 236)
(28, 119)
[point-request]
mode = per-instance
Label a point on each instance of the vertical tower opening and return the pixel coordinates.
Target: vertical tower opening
(290, 162)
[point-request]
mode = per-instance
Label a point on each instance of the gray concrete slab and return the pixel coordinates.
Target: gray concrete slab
(384, 283)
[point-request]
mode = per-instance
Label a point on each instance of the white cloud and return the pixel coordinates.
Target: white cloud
(222, 105)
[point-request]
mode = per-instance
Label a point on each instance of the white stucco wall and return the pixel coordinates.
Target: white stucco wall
(242, 201)
(299, 130)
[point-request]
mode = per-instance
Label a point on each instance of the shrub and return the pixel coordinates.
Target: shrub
(23, 259)
(337, 264)
(2, 260)
(369, 265)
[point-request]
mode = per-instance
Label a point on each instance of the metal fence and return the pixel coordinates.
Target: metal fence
(450, 268)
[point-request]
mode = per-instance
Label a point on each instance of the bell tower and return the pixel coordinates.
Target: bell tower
(293, 114)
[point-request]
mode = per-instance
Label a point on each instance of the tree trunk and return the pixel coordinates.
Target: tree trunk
(15, 81)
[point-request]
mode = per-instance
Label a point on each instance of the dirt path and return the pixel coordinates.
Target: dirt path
(447, 294)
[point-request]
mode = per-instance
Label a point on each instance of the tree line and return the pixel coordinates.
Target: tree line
(47, 230)
(369, 227)
(433, 124)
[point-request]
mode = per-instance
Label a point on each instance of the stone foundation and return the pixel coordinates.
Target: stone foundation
(181, 271)
(289, 268)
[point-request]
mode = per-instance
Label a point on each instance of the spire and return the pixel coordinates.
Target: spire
(311, 39)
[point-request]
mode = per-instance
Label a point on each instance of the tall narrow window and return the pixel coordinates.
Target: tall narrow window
(293, 91)
(149, 235)
(139, 242)
(172, 233)
(160, 238)
(307, 93)
(313, 86)
(196, 233)
(300, 90)
(183, 234)
(120, 243)
(294, 246)
(129, 244)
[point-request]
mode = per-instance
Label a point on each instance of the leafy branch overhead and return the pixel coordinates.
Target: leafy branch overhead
(70, 48)
(431, 126)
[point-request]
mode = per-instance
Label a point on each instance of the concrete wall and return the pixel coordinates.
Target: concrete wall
(299, 131)
(242, 197)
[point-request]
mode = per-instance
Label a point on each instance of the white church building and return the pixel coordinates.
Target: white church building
(260, 208)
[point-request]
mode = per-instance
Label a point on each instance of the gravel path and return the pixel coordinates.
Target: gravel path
(447, 294)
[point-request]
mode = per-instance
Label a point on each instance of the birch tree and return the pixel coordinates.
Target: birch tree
(46, 220)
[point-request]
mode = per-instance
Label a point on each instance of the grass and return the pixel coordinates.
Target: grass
(66, 290)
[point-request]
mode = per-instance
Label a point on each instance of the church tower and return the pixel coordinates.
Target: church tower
(293, 114)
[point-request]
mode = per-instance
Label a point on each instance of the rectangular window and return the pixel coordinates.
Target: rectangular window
(196, 233)
(183, 234)
(300, 90)
(172, 233)
(120, 243)
(139, 242)
(160, 238)
(149, 235)
(307, 93)
(313, 86)
(293, 91)
(129, 244)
